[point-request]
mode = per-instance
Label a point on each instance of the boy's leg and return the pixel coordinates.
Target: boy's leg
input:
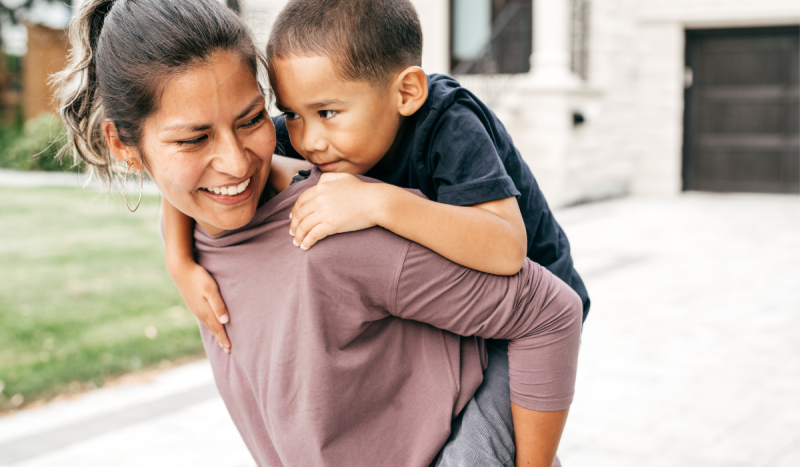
(483, 433)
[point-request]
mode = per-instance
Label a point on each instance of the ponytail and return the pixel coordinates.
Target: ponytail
(122, 53)
(79, 104)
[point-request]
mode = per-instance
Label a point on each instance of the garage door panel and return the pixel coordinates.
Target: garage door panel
(792, 62)
(741, 116)
(748, 187)
(738, 164)
(742, 121)
(791, 172)
(742, 68)
(792, 116)
(745, 39)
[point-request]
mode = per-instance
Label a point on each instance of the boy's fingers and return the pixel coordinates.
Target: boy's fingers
(300, 217)
(316, 234)
(295, 221)
(300, 210)
(307, 196)
(308, 223)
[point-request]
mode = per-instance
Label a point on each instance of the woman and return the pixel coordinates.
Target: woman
(352, 353)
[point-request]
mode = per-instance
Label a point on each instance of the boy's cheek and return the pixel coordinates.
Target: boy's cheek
(295, 130)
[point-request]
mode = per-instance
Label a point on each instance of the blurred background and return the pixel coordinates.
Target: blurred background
(665, 133)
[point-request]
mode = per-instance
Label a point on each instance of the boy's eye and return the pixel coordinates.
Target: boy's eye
(253, 121)
(192, 142)
(326, 114)
(290, 115)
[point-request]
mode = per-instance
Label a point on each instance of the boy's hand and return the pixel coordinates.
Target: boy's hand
(201, 294)
(339, 203)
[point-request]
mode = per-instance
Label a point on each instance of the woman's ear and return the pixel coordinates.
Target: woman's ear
(120, 150)
(412, 84)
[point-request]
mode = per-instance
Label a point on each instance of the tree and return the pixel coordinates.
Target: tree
(13, 12)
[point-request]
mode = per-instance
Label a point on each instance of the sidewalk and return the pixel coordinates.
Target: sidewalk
(176, 419)
(16, 178)
(690, 355)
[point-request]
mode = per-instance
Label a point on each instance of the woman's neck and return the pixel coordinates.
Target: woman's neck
(268, 193)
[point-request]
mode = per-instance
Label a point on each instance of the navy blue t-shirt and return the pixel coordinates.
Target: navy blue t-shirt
(456, 151)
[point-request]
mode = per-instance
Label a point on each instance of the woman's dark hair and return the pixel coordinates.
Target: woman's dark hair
(123, 53)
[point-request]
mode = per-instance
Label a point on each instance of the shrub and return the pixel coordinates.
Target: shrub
(35, 147)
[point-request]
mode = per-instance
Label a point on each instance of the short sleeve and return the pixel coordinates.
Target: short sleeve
(465, 165)
(538, 313)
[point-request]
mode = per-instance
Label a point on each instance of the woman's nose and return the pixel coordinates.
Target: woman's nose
(230, 156)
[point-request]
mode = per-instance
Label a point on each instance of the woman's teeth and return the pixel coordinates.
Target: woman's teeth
(229, 190)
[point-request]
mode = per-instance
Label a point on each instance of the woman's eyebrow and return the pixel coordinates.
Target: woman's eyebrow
(203, 127)
(185, 126)
(253, 105)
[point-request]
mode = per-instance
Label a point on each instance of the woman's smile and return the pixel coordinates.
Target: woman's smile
(230, 194)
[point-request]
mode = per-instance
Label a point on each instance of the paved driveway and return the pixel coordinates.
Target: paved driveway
(690, 356)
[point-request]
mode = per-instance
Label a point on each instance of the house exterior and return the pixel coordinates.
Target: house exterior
(612, 97)
(600, 109)
(34, 49)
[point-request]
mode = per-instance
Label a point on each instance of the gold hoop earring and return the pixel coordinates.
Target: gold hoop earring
(125, 189)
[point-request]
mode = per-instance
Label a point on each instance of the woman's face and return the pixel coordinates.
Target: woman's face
(209, 146)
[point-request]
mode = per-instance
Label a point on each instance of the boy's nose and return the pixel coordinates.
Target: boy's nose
(314, 140)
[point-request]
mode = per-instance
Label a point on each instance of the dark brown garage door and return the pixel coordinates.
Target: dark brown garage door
(742, 124)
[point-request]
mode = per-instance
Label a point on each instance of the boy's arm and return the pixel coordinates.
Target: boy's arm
(537, 435)
(283, 169)
(197, 287)
(488, 237)
(536, 312)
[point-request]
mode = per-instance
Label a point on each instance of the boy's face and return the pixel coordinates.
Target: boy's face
(337, 125)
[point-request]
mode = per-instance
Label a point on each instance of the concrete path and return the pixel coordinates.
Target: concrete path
(16, 178)
(690, 356)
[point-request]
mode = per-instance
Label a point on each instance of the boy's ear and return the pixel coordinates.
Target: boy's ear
(412, 84)
(120, 150)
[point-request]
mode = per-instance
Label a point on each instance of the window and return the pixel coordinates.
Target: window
(491, 36)
(579, 48)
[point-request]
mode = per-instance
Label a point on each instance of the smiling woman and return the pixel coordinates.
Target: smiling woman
(207, 142)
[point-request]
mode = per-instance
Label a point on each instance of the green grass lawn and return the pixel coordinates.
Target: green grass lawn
(84, 294)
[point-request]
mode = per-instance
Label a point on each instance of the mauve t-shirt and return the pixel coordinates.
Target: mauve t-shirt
(351, 353)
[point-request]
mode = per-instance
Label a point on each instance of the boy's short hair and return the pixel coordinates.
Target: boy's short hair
(368, 40)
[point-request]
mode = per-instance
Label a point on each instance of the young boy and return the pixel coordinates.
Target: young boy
(346, 75)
